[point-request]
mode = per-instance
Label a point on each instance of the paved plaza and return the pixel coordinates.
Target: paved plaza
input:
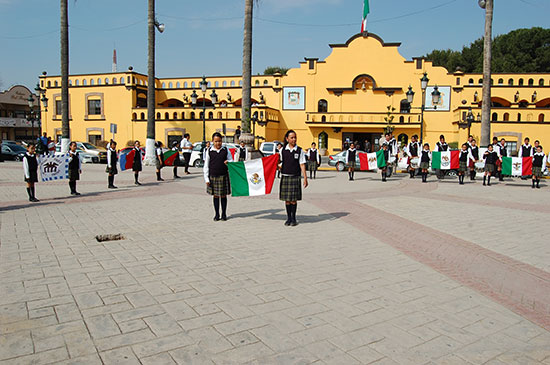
(384, 273)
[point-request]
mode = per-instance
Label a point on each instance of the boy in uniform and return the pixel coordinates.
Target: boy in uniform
(75, 168)
(539, 165)
(474, 150)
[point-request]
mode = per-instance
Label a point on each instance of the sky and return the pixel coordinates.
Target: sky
(205, 37)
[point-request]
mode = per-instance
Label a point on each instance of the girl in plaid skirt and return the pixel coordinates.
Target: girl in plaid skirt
(216, 174)
(350, 159)
(539, 165)
(464, 158)
(425, 159)
(30, 168)
(293, 164)
(313, 161)
(490, 158)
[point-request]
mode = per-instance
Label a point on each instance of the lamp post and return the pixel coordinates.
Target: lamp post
(436, 98)
(31, 117)
(194, 98)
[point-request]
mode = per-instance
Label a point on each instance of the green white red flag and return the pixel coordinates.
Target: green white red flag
(366, 11)
(170, 157)
(448, 160)
(517, 166)
(254, 177)
(372, 161)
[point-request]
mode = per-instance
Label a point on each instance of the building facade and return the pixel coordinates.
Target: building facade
(354, 94)
(16, 122)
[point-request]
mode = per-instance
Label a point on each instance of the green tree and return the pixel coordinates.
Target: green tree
(272, 70)
(521, 50)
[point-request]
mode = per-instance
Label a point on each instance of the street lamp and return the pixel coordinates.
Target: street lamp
(436, 98)
(31, 117)
(194, 98)
(260, 121)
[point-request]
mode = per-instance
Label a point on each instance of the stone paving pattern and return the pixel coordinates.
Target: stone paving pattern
(356, 282)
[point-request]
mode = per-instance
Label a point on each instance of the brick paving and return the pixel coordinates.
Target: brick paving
(395, 273)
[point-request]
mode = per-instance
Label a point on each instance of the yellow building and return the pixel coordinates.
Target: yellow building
(345, 96)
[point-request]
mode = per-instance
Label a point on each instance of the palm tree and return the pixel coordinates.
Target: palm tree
(150, 142)
(247, 64)
(487, 56)
(65, 131)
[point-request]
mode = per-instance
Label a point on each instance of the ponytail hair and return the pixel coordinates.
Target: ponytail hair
(288, 133)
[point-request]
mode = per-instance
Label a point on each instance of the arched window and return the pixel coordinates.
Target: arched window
(175, 115)
(158, 115)
(506, 117)
(55, 83)
(541, 82)
(166, 116)
(216, 84)
(500, 81)
(227, 115)
(210, 115)
(520, 83)
(49, 83)
(200, 115)
(470, 81)
(84, 82)
(134, 116)
(494, 117)
(224, 83)
(106, 81)
(76, 82)
(122, 80)
(163, 85)
(91, 82)
(541, 117)
(220, 115)
(193, 84)
(531, 82)
(401, 119)
(510, 82)
(170, 85)
(324, 118)
(404, 107)
(480, 81)
(192, 116)
(265, 83)
(323, 140)
(209, 84)
(523, 104)
(241, 83)
(238, 115)
(185, 84)
(177, 85)
(70, 82)
(232, 83)
(142, 116)
(115, 81)
(257, 83)
(322, 106)
(99, 81)
(519, 117)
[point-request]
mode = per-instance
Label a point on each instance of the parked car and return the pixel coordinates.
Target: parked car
(85, 157)
(13, 151)
(339, 160)
(99, 152)
(269, 148)
(196, 153)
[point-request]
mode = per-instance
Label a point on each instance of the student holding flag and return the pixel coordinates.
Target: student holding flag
(136, 163)
(216, 175)
(160, 160)
(386, 153)
(539, 165)
(176, 159)
(293, 164)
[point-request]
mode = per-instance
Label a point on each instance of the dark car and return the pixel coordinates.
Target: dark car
(12, 151)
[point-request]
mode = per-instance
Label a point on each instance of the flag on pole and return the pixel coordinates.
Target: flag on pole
(366, 11)
(254, 177)
(126, 160)
(517, 166)
(170, 157)
(447, 160)
(372, 161)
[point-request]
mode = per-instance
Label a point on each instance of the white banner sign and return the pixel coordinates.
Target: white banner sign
(54, 167)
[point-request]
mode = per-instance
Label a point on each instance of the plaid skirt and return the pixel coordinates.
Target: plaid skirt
(489, 167)
(290, 189)
(158, 165)
(537, 171)
(74, 175)
(471, 163)
(219, 186)
(424, 165)
(462, 166)
(312, 165)
(351, 164)
(111, 170)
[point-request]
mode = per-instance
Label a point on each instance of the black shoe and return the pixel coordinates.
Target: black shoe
(112, 187)
(31, 200)
(538, 187)
(34, 200)
(287, 223)
(293, 223)
(73, 193)
(224, 217)
(177, 177)
(137, 183)
(216, 218)
(160, 179)
(488, 184)
(77, 193)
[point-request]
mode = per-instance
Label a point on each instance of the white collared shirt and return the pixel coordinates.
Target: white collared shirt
(302, 159)
(318, 158)
(186, 146)
(206, 168)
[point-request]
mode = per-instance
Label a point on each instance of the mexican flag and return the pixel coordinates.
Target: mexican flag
(253, 178)
(126, 160)
(517, 166)
(372, 161)
(170, 157)
(233, 151)
(447, 160)
(366, 11)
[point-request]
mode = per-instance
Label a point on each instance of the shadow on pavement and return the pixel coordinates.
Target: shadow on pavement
(273, 214)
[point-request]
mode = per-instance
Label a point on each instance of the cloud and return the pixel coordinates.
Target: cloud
(282, 5)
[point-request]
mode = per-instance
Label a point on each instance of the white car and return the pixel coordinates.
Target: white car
(85, 157)
(269, 148)
(196, 153)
